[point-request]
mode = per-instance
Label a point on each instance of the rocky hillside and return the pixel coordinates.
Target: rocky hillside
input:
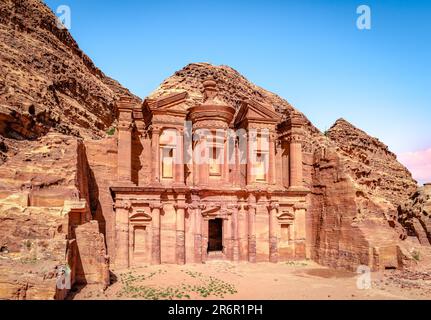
(48, 84)
(233, 88)
(46, 81)
(371, 164)
(415, 214)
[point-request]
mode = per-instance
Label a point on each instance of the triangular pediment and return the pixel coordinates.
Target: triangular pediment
(171, 103)
(254, 111)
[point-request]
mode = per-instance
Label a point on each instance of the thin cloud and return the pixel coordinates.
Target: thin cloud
(419, 163)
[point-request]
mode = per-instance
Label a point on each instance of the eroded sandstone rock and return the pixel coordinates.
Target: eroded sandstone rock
(415, 214)
(43, 209)
(46, 81)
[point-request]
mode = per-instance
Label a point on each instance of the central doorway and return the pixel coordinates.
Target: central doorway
(215, 235)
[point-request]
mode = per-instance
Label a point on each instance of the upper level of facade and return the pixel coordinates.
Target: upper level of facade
(168, 143)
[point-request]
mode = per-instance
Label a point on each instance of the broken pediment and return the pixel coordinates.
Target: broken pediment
(174, 103)
(253, 111)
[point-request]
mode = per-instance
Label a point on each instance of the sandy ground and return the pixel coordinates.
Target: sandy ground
(225, 280)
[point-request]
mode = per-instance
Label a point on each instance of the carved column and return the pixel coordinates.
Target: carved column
(250, 156)
(236, 177)
(204, 239)
(201, 159)
(195, 209)
(295, 138)
(125, 128)
(226, 158)
(156, 243)
(295, 162)
(179, 172)
(243, 232)
(155, 146)
(273, 245)
(122, 211)
(180, 234)
(235, 232)
(227, 234)
(251, 232)
(271, 168)
(285, 163)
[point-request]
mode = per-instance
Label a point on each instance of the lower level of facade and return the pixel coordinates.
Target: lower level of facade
(156, 225)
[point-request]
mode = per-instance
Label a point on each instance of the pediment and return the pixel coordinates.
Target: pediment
(286, 216)
(140, 217)
(212, 211)
(174, 103)
(254, 111)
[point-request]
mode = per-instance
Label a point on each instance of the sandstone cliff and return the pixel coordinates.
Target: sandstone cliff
(372, 165)
(44, 192)
(51, 93)
(46, 81)
(415, 214)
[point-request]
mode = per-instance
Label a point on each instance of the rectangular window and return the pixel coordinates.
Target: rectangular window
(167, 163)
(260, 166)
(214, 162)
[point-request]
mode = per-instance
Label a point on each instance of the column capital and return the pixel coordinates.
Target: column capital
(125, 126)
(123, 204)
(156, 205)
(155, 129)
(233, 206)
(273, 205)
(250, 206)
(295, 138)
(181, 206)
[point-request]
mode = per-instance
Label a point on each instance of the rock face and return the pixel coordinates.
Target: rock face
(415, 215)
(45, 219)
(56, 207)
(46, 81)
(371, 164)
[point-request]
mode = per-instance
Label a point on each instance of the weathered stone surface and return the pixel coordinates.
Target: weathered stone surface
(371, 164)
(93, 260)
(46, 81)
(102, 161)
(52, 185)
(415, 214)
(43, 207)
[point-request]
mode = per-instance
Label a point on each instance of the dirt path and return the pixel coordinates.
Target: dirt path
(224, 280)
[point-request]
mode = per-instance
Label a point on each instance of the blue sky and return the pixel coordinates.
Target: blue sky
(309, 52)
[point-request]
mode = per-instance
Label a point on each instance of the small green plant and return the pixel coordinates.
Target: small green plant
(110, 131)
(416, 255)
(207, 286)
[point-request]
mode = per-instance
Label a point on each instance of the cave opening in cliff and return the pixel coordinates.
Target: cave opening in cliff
(215, 235)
